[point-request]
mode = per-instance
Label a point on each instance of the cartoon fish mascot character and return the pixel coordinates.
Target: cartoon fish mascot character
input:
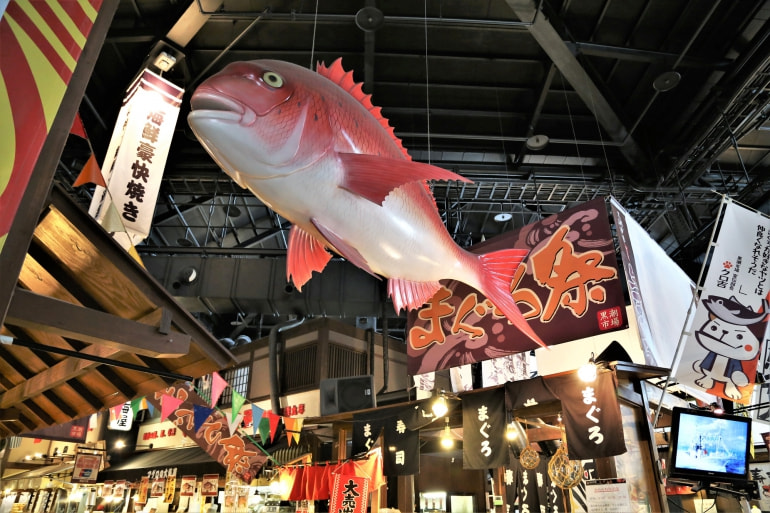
(729, 342)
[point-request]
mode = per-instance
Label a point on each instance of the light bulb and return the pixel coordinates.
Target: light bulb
(587, 372)
(440, 407)
(446, 438)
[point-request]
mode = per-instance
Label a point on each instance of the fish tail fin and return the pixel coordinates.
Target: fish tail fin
(497, 270)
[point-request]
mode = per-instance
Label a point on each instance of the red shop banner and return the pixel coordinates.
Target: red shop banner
(350, 494)
(567, 288)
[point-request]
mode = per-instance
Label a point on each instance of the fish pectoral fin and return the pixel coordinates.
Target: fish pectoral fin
(344, 248)
(407, 294)
(305, 254)
(374, 177)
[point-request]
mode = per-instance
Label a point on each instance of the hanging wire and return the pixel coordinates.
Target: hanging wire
(601, 140)
(315, 26)
(505, 153)
(427, 82)
(574, 133)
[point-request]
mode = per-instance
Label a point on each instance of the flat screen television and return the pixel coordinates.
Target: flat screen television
(705, 446)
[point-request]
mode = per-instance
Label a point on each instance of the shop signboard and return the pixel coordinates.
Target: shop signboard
(144, 488)
(240, 456)
(349, 493)
(187, 488)
(567, 288)
(136, 157)
(86, 468)
(210, 485)
(168, 496)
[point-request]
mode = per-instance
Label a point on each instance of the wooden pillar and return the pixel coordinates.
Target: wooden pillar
(406, 493)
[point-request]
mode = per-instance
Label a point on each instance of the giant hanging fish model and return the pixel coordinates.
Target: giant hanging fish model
(314, 149)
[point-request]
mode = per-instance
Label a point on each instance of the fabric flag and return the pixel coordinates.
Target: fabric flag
(484, 444)
(90, 173)
(273, 421)
(317, 482)
(349, 494)
(137, 153)
(200, 414)
(403, 456)
(207, 427)
(264, 428)
(293, 482)
(733, 303)
(293, 429)
(116, 410)
(365, 434)
(238, 401)
(568, 287)
(218, 385)
(592, 420)
(168, 405)
(140, 403)
(256, 418)
(660, 318)
(233, 424)
(527, 392)
(369, 467)
(77, 127)
(533, 488)
(112, 221)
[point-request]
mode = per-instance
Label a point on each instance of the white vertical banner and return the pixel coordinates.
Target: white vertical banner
(729, 328)
(661, 292)
(136, 158)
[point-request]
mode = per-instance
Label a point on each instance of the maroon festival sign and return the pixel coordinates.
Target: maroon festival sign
(568, 288)
(238, 455)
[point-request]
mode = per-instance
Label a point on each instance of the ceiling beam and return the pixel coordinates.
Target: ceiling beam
(33, 311)
(563, 58)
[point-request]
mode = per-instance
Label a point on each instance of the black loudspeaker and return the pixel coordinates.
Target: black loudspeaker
(339, 395)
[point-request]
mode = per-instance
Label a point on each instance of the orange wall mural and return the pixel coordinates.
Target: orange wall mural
(41, 43)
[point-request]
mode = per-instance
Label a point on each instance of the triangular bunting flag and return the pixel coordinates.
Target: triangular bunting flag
(200, 414)
(235, 423)
(115, 410)
(288, 422)
(134, 253)
(274, 420)
(77, 127)
(90, 173)
(264, 429)
(238, 401)
(168, 405)
(218, 385)
(293, 428)
(297, 431)
(256, 418)
(112, 222)
(140, 403)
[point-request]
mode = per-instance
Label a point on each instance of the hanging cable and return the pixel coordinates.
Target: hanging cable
(427, 82)
(315, 26)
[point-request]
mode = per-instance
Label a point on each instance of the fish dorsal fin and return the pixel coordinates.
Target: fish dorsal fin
(337, 74)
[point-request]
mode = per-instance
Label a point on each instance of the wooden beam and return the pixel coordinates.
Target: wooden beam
(33, 311)
(11, 414)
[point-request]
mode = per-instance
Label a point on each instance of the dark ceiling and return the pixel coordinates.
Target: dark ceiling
(659, 103)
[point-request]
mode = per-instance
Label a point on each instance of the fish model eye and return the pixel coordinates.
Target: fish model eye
(272, 79)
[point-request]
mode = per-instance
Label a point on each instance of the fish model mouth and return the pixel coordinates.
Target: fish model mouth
(213, 105)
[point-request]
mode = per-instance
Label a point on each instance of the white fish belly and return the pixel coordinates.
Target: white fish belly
(400, 239)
